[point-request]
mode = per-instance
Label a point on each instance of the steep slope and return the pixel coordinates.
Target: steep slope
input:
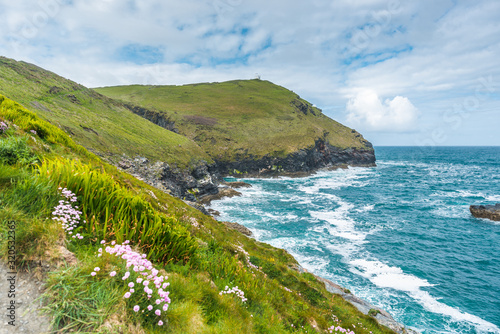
(251, 125)
(109, 128)
(102, 125)
(199, 257)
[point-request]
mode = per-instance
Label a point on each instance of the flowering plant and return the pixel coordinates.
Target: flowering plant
(3, 127)
(146, 288)
(140, 273)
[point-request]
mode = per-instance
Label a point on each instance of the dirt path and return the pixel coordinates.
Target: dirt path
(26, 314)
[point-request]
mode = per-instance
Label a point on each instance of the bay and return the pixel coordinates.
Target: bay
(399, 235)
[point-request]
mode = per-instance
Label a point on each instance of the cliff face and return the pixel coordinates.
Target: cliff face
(321, 155)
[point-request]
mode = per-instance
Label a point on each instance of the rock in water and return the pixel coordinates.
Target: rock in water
(486, 211)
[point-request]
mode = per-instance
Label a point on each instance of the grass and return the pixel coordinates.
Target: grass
(101, 125)
(241, 119)
(117, 206)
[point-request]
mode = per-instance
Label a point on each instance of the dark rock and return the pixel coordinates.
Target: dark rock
(213, 213)
(73, 99)
(198, 207)
(89, 129)
(238, 227)
(156, 117)
(237, 184)
(491, 212)
(321, 155)
(185, 184)
(303, 107)
(223, 192)
(55, 90)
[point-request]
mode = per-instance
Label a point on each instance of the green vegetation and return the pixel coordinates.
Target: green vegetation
(101, 125)
(199, 255)
(241, 119)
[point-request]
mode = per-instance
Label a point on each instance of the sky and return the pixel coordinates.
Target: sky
(418, 73)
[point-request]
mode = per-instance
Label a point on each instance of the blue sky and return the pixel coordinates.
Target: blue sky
(400, 72)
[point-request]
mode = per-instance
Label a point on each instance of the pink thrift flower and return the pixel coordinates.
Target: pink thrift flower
(113, 273)
(97, 269)
(158, 302)
(92, 273)
(127, 295)
(160, 323)
(150, 307)
(136, 308)
(103, 242)
(165, 307)
(131, 285)
(139, 280)
(158, 312)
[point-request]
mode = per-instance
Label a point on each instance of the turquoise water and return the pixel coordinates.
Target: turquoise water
(399, 235)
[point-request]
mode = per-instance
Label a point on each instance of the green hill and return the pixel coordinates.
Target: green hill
(243, 119)
(102, 125)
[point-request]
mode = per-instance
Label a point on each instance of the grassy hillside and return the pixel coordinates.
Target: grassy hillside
(236, 119)
(104, 126)
(206, 264)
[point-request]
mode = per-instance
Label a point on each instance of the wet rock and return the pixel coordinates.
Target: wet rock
(321, 155)
(491, 212)
(237, 184)
(223, 192)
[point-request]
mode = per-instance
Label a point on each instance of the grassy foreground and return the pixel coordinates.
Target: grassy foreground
(207, 264)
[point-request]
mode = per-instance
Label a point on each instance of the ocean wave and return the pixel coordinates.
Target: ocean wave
(458, 211)
(432, 304)
(385, 276)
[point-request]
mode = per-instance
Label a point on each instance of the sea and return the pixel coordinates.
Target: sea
(399, 235)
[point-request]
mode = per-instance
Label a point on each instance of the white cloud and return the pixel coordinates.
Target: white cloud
(367, 111)
(432, 53)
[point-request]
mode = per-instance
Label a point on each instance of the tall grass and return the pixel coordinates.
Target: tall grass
(114, 212)
(28, 120)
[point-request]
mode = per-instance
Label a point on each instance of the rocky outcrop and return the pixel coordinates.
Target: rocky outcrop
(491, 212)
(186, 184)
(224, 191)
(321, 155)
(156, 117)
(238, 227)
(202, 182)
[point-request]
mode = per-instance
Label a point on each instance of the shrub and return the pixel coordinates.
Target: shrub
(16, 150)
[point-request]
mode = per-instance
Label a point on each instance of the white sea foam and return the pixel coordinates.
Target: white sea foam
(432, 304)
(351, 177)
(385, 276)
(465, 194)
(458, 211)
(493, 198)
(366, 208)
